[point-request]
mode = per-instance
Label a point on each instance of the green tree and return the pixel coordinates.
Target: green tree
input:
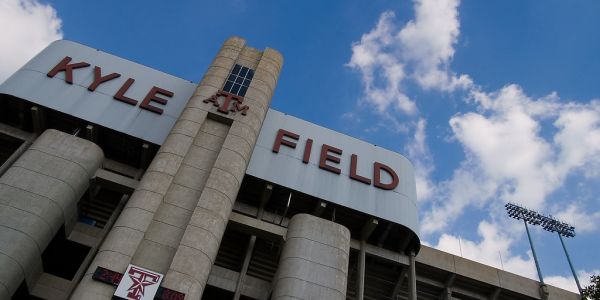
(592, 291)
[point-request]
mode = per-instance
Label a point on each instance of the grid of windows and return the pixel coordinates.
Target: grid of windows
(239, 80)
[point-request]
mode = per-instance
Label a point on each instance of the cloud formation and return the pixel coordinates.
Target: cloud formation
(27, 27)
(511, 159)
(517, 148)
(388, 58)
(494, 249)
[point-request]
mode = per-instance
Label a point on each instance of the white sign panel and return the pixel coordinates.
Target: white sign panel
(138, 284)
(103, 89)
(335, 167)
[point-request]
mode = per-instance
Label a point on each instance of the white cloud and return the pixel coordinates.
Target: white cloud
(27, 27)
(382, 72)
(579, 138)
(510, 158)
(507, 146)
(575, 216)
(467, 187)
(428, 42)
(568, 282)
(419, 154)
(493, 250)
(422, 50)
(517, 148)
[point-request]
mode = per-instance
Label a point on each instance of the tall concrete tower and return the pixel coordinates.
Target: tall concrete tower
(175, 219)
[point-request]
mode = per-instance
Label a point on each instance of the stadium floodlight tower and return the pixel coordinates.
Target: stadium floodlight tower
(562, 229)
(531, 217)
(548, 223)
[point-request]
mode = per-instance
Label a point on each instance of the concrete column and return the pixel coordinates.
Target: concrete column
(247, 257)
(159, 185)
(360, 271)
(198, 248)
(314, 260)
(412, 277)
(164, 234)
(175, 219)
(38, 195)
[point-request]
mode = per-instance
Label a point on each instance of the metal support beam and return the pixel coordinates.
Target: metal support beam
(372, 250)
(319, 209)
(447, 293)
(495, 294)
(38, 119)
(13, 157)
(247, 257)
(404, 242)
(385, 234)
(366, 232)
(399, 283)
(264, 199)
(91, 133)
(570, 264)
(360, 271)
(412, 277)
(115, 182)
(368, 228)
(145, 157)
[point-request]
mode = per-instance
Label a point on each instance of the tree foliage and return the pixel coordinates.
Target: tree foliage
(592, 291)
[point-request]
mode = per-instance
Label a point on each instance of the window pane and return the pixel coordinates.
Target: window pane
(246, 82)
(244, 71)
(243, 91)
(231, 77)
(236, 69)
(235, 89)
(239, 80)
(227, 87)
(250, 74)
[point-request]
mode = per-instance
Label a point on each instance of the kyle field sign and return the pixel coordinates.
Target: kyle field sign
(102, 89)
(335, 167)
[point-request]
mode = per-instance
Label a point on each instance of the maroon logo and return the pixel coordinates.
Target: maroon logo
(141, 279)
(230, 103)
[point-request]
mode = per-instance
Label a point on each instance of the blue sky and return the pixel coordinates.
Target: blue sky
(493, 101)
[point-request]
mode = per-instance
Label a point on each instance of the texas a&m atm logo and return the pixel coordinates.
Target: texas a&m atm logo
(138, 284)
(229, 103)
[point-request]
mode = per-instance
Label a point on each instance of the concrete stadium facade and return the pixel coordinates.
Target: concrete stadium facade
(117, 180)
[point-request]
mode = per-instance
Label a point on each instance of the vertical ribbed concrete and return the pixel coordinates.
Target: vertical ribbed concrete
(38, 195)
(171, 218)
(198, 247)
(314, 261)
(176, 218)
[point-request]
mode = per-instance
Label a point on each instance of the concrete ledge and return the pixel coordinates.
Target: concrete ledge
(115, 182)
(257, 227)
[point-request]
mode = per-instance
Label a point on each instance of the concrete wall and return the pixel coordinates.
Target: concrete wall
(175, 219)
(314, 261)
(38, 195)
(484, 273)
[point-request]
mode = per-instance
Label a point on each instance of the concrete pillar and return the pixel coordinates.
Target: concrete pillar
(360, 271)
(38, 195)
(166, 229)
(174, 221)
(197, 249)
(412, 277)
(314, 260)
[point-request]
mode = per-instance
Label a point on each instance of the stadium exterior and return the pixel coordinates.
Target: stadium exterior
(118, 180)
